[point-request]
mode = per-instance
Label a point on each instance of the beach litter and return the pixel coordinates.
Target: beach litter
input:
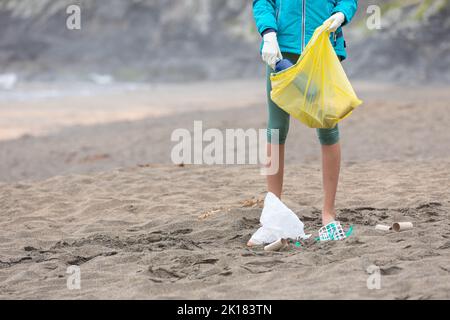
(332, 231)
(383, 227)
(280, 226)
(396, 226)
(253, 203)
(212, 212)
(402, 226)
(277, 245)
(278, 223)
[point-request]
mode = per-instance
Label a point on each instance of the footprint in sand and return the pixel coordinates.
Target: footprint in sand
(261, 266)
(161, 274)
(389, 271)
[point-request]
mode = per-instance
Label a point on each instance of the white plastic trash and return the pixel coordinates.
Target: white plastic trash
(277, 222)
(276, 246)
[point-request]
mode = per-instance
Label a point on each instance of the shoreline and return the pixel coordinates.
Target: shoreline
(40, 109)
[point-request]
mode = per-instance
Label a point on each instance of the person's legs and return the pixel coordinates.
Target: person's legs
(331, 166)
(279, 120)
(275, 181)
(331, 163)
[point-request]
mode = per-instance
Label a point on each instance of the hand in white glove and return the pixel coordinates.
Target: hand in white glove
(271, 53)
(336, 20)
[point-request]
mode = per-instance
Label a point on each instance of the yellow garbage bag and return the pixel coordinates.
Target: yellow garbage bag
(316, 89)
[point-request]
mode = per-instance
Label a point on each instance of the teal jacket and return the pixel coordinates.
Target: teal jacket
(295, 21)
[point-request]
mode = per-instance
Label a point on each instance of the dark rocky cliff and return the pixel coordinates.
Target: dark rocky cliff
(175, 40)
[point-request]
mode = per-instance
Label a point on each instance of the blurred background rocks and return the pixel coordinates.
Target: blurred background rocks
(188, 40)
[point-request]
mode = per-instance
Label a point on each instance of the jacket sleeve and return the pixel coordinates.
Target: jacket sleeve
(347, 7)
(264, 14)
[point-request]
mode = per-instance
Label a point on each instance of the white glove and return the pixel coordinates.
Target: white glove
(336, 20)
(271, 53)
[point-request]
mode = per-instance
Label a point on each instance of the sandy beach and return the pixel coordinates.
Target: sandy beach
(180, 232)
(103, 194)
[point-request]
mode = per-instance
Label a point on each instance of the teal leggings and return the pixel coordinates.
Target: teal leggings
(279, 119)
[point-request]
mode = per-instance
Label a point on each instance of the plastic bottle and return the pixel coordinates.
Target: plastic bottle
(301, 81)
(283, 64)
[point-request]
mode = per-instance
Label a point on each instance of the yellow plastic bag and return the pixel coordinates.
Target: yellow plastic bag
(316, 89)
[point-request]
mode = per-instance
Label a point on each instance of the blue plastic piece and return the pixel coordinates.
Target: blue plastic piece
(283, 64)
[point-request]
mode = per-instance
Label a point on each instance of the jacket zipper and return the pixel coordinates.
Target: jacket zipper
(279, 10)
(303, 23)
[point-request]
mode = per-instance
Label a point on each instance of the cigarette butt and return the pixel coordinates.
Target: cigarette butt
(382, 227)
(275, 246)
(401, 226)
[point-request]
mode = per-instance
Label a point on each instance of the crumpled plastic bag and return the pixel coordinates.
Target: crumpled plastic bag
(316, 89)
(277, 222)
